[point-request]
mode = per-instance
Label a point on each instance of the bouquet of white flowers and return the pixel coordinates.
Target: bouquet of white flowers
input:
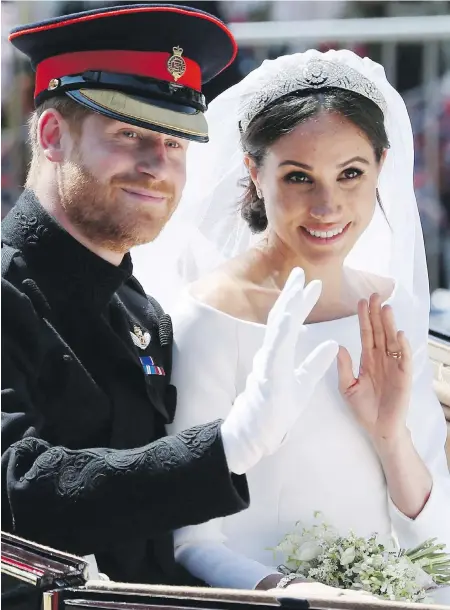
(352, 562)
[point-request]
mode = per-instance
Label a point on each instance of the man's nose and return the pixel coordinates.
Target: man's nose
(153, 160)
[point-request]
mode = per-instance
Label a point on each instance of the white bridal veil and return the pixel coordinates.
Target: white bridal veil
(207, 228)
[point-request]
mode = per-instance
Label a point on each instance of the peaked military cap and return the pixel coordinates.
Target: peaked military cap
(142, 64)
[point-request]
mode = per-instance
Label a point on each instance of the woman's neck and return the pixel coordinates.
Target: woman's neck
(338, 298)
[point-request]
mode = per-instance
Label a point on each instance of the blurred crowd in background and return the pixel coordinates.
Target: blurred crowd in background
(428, 104)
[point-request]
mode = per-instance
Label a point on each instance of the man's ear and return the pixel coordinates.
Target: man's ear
(53, 131)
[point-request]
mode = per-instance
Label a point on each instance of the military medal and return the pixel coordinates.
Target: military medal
(149, 366)
(176, 64)
(140, 339)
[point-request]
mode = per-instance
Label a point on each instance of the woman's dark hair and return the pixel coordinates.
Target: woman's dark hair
(285, 114)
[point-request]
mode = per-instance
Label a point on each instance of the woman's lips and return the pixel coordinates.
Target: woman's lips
(323, 241)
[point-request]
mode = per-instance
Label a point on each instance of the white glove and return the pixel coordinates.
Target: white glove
(276, 393)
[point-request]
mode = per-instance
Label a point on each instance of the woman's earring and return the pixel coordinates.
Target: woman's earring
(259, 194)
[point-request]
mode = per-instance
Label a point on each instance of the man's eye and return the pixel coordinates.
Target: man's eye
(172, 144)
(130, 135)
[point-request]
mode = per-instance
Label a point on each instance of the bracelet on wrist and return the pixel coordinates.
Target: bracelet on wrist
(286, 580)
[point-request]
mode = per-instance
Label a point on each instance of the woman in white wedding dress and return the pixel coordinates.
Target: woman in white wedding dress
(316, 150)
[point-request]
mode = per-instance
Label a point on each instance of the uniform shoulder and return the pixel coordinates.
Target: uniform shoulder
(12, 261)
(23, 301)
(13, 277)
(23, 308)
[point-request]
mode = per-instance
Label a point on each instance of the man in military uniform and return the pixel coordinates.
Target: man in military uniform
(86, 355)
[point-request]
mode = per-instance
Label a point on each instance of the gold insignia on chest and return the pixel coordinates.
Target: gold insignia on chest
(176, 65)
(140, 339)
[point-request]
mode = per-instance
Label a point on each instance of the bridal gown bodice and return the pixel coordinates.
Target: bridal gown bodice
(326, 463)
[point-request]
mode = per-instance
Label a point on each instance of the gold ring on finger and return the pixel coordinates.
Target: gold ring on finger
(395, 355)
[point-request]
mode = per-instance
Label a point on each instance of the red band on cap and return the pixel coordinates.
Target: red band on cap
(141, 63)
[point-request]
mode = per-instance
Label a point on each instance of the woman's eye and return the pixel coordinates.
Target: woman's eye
(297, 178)
(351, 173)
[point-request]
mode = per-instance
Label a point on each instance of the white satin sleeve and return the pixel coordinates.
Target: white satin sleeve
(426, 422)
(205, 360)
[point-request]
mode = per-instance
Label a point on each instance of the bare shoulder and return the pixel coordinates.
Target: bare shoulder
(225, 289)
(368, 283)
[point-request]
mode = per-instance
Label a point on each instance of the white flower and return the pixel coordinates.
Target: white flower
(289, 543)
(371, 565)
(422, 579)
(348, 556)
(307, 551)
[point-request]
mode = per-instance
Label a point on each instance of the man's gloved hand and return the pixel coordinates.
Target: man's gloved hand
(276, 391)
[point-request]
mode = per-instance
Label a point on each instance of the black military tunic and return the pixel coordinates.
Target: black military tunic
(86, 362)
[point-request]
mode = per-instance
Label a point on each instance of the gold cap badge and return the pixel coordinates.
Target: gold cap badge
(176, 64)
(53, 84)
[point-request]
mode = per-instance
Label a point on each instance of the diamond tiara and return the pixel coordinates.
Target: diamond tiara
(316, 74)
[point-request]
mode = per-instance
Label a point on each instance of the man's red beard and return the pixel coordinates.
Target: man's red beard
(104, 214)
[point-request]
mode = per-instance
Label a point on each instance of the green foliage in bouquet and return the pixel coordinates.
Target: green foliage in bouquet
(352, 562)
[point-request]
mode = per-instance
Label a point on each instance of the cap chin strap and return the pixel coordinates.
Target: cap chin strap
(178, 96)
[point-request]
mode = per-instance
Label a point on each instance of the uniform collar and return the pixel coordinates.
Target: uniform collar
(65, 268)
